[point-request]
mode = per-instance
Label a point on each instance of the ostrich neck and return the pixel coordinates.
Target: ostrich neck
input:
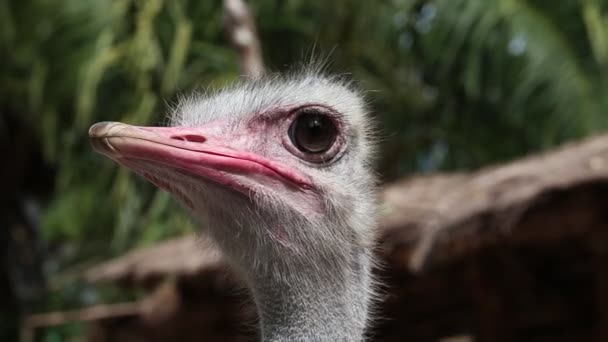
(319, 293)
(301, 305)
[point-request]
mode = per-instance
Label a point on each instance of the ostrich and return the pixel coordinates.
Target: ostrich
(278, 172)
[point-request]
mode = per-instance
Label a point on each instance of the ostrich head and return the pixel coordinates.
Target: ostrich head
(278, 172)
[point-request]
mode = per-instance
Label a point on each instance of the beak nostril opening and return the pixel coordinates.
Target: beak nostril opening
(190, 138)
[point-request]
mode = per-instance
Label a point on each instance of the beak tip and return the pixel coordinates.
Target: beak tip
(101, 129)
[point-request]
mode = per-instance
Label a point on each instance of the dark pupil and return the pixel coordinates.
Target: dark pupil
(313, 132)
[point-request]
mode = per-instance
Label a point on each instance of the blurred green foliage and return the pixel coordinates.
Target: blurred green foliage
(455, 84)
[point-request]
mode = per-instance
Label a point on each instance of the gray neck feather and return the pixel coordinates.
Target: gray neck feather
(308, 306)
(319, 291)
(312, 302)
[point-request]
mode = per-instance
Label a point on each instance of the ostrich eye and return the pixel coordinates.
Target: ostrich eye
(313, 132)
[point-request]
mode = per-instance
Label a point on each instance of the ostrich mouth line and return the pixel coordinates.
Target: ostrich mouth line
(161, 146)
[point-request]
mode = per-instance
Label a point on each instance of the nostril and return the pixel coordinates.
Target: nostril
(194, 138)
(189, 137)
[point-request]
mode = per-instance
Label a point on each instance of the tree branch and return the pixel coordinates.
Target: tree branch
(240, 26)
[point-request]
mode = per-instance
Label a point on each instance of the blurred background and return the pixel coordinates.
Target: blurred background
(455, 85)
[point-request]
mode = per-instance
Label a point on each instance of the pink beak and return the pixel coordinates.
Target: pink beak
(188, 150)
